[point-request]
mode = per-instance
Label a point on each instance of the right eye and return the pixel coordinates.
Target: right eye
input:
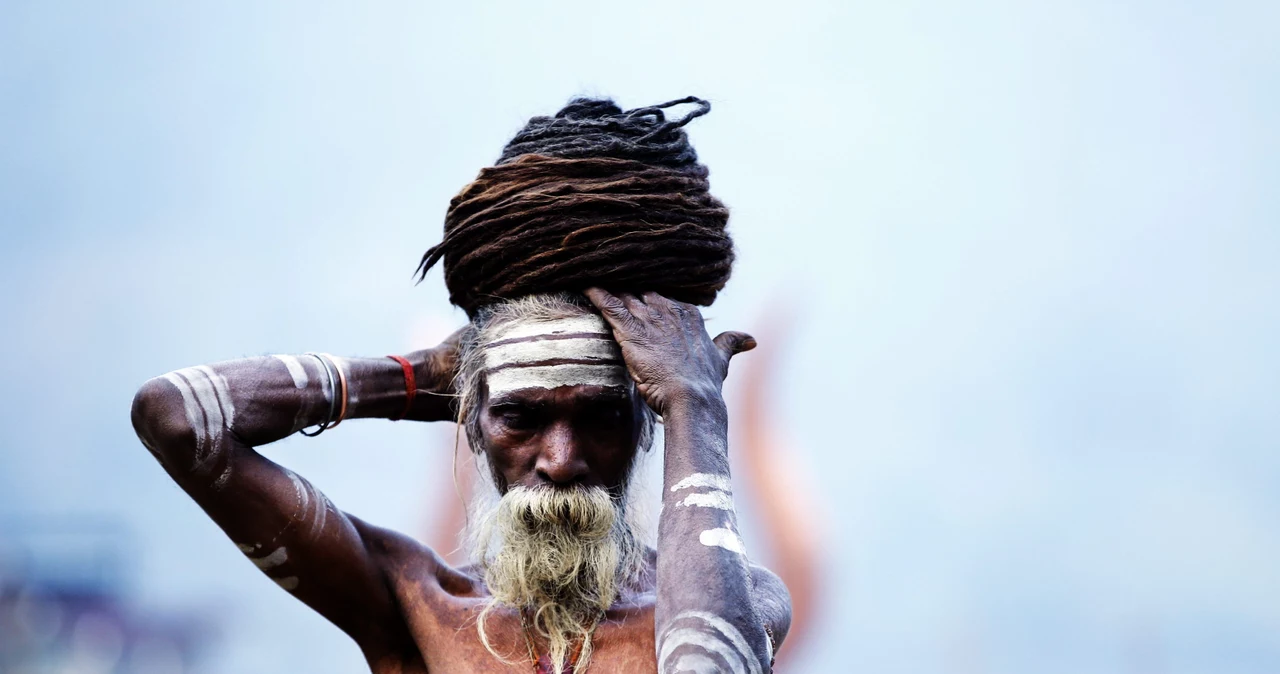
(517, 417)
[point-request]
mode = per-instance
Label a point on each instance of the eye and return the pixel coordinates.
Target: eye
(517, 417)
(608, 414)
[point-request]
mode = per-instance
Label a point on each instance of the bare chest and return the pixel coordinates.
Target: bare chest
(444, 629)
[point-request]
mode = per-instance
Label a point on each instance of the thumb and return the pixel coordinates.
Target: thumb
(733, 342)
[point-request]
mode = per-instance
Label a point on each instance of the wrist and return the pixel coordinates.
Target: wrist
(433, 379)
(694, 402)
(696, 431)
(376, 388)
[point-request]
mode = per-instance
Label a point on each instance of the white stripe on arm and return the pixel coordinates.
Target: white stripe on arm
(695, 638)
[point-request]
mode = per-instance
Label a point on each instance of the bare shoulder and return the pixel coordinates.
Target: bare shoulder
(773, 601)
(434, 602)
(402, 559)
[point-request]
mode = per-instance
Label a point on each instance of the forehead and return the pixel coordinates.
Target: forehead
(531, 355)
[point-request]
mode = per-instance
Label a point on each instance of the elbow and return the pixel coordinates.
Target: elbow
(772, 602)
(157, 415)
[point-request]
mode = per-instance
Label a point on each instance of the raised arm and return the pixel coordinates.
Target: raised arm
(715, 611)
(202, 424)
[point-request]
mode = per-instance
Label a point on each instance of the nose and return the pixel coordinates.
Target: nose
(561, 459)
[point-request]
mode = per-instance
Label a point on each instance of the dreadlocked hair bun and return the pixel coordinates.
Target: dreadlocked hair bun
(594, 196)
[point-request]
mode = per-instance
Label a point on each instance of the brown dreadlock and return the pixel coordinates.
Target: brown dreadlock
(591, 197)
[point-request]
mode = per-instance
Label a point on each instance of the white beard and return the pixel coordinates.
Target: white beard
(562, 555)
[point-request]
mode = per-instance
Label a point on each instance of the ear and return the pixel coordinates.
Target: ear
(469, 421)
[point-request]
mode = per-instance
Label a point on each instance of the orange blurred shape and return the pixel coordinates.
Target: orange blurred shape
(448, 513)
(780, 490)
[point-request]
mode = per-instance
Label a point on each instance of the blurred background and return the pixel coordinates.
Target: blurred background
(1013, 267)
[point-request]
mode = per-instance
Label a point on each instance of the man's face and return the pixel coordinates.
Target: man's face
(570, 436)
(560, 426)
(558, 410)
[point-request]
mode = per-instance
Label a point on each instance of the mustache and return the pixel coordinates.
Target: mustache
(587, 512)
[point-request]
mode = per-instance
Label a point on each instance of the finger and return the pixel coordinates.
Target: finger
(733, 342)
(609, 305)
(673, 307)
(660, 306)
(634, 304)
(654, 299)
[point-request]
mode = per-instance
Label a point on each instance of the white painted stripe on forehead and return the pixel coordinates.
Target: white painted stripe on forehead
(559, 326)
(555, 376)
(585, 348)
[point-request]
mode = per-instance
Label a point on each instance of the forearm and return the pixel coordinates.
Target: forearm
(704, 604)
(284, 393)
(264, 399)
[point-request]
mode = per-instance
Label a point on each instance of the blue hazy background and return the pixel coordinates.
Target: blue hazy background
(1030, 251)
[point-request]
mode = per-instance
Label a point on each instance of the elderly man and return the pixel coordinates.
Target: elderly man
(558, 392)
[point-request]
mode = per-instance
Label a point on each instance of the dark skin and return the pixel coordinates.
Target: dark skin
(406, 609)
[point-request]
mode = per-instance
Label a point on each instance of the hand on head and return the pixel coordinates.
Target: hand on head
(666, 346)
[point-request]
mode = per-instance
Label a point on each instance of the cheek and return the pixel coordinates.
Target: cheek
(612, 466)
(509, 453)
(606, 433)
(614, 446)
(506, 466)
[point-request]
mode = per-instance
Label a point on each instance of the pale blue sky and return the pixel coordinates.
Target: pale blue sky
(1033, 247)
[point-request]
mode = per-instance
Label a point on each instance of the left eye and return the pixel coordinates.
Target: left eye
(606, 415)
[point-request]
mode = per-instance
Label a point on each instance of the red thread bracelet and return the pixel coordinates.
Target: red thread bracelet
(410, 386)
